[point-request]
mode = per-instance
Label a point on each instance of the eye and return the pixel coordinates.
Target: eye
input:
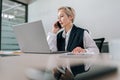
(60, 16)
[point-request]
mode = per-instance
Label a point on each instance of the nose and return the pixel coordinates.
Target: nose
(59, 19)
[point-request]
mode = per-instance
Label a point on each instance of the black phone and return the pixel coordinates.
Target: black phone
(59, 25)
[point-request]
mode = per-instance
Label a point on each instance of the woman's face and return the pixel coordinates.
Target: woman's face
(64, 19)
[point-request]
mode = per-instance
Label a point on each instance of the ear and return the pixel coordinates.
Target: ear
(71, 18)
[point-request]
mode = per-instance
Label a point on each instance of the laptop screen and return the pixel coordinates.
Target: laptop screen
(31, 37)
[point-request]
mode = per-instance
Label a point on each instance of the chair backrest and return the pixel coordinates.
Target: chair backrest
(99, 42)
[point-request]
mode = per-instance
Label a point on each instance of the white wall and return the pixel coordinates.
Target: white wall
(100, 17)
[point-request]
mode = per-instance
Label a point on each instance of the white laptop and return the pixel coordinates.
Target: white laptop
(31, 37)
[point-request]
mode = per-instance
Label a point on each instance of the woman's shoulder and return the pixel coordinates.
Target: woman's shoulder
(80, 28)
(60, 33)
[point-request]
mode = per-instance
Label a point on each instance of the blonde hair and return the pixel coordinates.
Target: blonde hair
(69, 11)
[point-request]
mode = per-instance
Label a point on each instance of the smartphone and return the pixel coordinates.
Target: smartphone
(59, 25)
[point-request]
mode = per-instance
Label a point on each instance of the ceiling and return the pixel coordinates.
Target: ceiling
(12, 8)
(9, 7)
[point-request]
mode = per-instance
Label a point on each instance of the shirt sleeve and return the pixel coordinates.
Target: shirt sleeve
(89, 43)
(51, 39)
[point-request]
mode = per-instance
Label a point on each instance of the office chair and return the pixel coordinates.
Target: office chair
(99, 42)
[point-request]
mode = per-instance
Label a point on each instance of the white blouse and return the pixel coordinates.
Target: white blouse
(89, 43)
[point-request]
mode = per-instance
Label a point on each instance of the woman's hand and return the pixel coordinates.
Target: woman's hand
(55, 28)
(78, 50)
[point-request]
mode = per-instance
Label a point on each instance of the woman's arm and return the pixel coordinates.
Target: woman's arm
(89, 43)
(51, 39)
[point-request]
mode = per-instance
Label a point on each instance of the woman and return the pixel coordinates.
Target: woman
(71, 38)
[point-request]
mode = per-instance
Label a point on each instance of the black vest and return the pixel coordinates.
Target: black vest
(75, 39)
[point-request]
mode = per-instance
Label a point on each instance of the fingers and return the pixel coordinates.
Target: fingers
(78, 50)
(60, 76)
(55, 24)
(55, 28)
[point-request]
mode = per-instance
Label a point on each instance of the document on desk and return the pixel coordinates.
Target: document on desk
(8, 53)
(79, 55)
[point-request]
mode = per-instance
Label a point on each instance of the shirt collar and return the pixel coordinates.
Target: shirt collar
(68, 33)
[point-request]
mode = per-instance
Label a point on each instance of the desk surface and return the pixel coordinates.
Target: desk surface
(15, 67)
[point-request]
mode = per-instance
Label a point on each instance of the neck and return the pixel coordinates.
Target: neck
(68, 27)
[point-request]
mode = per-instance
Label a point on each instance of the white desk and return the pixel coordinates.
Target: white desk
(14, 67)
